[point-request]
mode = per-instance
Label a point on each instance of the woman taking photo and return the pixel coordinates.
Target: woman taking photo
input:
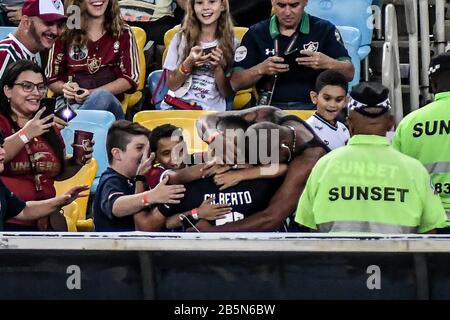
(35, 155)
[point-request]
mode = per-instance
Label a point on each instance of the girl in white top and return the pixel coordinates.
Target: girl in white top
(200, 55)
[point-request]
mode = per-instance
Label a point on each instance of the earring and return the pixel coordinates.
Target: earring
(290, 154)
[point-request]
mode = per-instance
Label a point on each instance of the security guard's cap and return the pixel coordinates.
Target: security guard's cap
(370, 99)
(439, 63)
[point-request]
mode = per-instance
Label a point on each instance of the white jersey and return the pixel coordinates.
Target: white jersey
(333, 136)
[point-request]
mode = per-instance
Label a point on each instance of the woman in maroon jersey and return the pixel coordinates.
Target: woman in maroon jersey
(95, 64)
(35, 155)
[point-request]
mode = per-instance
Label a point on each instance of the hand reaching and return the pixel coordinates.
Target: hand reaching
(72, 195)
(164, 193)
(228, 179)
(210, 211)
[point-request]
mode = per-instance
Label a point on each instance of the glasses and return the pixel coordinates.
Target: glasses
(29, 86)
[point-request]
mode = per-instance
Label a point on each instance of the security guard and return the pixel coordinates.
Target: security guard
(284, 55)
(425, 133)
(367, 186)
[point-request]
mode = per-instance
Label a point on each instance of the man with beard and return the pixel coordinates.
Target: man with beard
(41, 23)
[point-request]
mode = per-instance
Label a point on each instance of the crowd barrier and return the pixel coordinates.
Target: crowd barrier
(161, 266)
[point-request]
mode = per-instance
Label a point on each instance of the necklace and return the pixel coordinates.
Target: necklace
(294, 143)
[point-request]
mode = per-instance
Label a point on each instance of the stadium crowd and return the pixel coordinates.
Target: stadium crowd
(265, 167)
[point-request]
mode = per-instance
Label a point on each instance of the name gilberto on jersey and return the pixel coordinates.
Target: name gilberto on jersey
(231, 198)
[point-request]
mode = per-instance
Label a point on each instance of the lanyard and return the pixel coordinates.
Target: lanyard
(267, 100)
(276, 44)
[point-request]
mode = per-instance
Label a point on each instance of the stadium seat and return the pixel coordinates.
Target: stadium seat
(184, 119)
(353, 13)
(71, 215)
(352, 39)
(152, 82)
(242, 97)
(98, 122)
(133, 99)
(302, 114)
(5, 31)
(86, 176)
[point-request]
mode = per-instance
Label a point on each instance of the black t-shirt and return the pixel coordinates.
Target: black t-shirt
(112, 185)
(246, 198)
(10, 205)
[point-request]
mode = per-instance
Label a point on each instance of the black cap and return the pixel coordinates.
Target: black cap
(439, 63)
(369, 95)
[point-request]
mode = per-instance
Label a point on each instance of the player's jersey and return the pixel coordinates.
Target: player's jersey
(246, 198)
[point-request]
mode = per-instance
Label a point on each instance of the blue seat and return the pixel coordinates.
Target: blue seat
(98, 122)
(152, 81)
(5, 31)
(352, 13)
(352, 38)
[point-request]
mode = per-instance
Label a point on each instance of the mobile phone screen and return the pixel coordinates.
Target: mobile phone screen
(208, 50)
(49, 104)
(65, 113)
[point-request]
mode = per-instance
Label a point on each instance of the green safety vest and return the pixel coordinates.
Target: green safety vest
(367, 186)
(425, 135)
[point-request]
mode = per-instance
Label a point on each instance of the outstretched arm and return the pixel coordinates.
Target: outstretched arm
(283, 203)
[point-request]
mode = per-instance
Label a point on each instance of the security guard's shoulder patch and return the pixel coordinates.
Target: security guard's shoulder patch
(240, 54)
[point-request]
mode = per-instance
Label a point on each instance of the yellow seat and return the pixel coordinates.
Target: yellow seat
(242, 97)
(167, 38)
(184, 119)
(71, 215)
(132, 99)
(302, 114)
(86, 176)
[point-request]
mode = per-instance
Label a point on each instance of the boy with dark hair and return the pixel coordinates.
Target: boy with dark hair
(121, 202)
(330, 97)
(367, 186)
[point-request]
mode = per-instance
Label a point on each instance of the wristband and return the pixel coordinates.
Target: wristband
(194, 213)
(145, 200)
(23, 136)
(212, 137)
(184, 70)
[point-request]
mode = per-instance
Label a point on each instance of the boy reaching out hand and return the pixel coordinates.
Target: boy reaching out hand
(121, 202)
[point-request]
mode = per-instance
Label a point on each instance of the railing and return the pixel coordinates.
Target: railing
(182, 266)
(412, 27)
(440, 25)
(391, 63)
(425, 50)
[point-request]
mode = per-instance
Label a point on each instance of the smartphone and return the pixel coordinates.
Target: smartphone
(289, 57)
(207, 50)
(49, 104)
(65, 113)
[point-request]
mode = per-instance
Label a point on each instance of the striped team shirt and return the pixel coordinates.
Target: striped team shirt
(12, 50)
(97, 63)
